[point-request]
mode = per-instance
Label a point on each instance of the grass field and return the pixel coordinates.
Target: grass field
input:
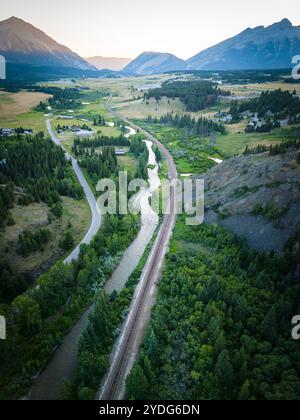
(35, 216)
(124, 89)
(128, 163)
(105, 131)
(142, 109)
(16, 110)
(235, 143)
(256, 88)
(68, 137)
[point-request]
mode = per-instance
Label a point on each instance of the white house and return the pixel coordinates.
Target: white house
(120, 152)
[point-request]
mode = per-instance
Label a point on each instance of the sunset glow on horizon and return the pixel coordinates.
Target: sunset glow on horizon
(119, 28)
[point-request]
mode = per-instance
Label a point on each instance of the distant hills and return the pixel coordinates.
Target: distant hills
(270, 47)
(31, 53)
(110, 63)
(154, 63)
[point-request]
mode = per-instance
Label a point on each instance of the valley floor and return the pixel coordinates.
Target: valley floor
(220, 328)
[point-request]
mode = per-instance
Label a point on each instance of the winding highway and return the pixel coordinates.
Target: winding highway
(96, 215)
(127, 348)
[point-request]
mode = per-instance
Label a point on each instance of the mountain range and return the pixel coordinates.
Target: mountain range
(270, 47)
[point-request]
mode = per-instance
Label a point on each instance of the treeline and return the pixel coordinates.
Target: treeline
(67, 98)
(81, 146)
(38, 320)
(274, 149)
(242, 77)
(221, 328)
(197, 127)
(196, 95)
(39, 167)
(139, 149)
(281, 104)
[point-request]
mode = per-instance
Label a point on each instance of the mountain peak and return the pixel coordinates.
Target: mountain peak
(150, 62)
(21, 42)
(14, 19)
(284, 23)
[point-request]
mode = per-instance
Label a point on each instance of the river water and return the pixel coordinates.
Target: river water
(62, 366)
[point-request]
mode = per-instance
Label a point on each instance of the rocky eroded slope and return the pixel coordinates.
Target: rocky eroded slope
(256, 196)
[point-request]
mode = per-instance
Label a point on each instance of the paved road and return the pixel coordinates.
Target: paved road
(96, 215)
(134, 329)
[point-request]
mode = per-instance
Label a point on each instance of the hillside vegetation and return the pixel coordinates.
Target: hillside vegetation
(257, 195)
(221, 326)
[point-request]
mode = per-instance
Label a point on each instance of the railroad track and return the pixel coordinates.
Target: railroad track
(131, 339)
(111, 392)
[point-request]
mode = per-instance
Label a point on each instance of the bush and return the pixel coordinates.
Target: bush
(57, 210)
(31, 242)
(67, 242)
(11, 221)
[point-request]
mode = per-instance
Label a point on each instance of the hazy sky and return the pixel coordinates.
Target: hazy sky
(125, 28)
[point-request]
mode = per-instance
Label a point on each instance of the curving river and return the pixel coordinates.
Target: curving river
(149, 222)
(63, 363)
